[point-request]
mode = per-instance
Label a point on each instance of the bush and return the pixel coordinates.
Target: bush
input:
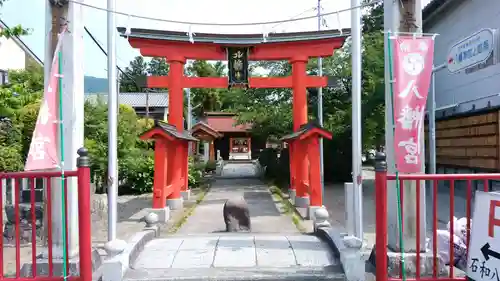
(210, 166)
(195, 173)
(268, 158)
(137, 174)
(338, 158)
(283, 175)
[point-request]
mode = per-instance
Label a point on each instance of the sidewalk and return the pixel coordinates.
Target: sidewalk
(334, 201)
(264, 212)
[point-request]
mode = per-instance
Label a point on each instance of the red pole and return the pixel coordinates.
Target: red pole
(185, 168)
(160, 176)
(314, 173)
(176, 157)
(175, 118)
(84, 220)
(299, 74)
(292, 167)
(381, 217)
(175, 93)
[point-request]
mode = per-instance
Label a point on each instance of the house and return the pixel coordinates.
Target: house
(14, 55)
(221, 132)
(467, 88)
(153, 104)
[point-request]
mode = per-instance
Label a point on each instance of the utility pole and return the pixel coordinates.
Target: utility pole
(356, 118)
(405, 17)
(53, 22)
(59, 13)
(147, 104)
(320, 111)
(112, 124)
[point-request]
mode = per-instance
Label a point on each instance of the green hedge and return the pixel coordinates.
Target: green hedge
(337, 162)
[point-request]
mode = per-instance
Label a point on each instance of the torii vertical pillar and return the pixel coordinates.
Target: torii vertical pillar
(175, 154)
(299, 156)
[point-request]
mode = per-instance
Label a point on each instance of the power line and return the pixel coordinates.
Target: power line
(297, 15)
(119, 68)
(373, 2)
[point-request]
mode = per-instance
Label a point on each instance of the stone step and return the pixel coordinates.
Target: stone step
(240, 274)
(238, 256)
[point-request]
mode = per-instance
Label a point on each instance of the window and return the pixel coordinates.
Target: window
(239, 145)
(4, 77)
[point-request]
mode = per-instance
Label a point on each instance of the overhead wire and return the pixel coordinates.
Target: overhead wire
(293, 19)
(297, 15)
(118, 67)
(373, 2)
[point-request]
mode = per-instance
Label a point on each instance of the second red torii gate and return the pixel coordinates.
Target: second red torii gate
(296, 48)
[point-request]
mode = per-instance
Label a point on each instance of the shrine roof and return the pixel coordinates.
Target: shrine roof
(224, 122)
(202, 126)
(305, 129)
(218, 113)
(233, 39)
(172, 131)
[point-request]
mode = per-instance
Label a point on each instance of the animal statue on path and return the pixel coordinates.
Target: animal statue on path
(236, 215)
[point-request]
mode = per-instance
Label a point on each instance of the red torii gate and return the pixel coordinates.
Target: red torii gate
(296, 48)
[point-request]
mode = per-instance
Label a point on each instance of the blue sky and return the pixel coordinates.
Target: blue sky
(226, 11)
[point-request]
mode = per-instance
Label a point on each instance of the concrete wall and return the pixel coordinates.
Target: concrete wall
(473, 90)
(11, 55)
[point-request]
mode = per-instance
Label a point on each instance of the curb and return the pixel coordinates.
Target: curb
(114, 268)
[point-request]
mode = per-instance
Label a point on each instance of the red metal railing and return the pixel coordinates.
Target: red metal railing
(84, 222)
(381, 180)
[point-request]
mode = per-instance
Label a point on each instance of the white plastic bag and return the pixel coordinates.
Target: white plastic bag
(459, 240)
(459, 228)
(459, 249)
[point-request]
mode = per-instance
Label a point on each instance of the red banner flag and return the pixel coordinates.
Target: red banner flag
(43, 149)
(413, 59)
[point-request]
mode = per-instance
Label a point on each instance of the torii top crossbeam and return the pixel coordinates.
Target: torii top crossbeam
(209, 46)
(180, 46)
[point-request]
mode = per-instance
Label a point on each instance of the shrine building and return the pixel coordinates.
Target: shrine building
(220, 131)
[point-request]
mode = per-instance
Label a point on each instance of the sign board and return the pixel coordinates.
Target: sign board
(471, 50)
(483, 262)
(237, 58)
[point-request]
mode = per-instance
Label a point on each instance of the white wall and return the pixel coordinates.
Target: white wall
(11, 55)
(471, 90)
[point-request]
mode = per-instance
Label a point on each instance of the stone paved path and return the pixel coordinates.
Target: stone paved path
(202, 249)
(265, 216)
(239, 170)
(236, 182)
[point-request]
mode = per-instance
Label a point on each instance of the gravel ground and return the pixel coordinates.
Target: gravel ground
(127, 207)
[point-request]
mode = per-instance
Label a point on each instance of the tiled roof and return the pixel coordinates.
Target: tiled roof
(171, 130)
(204, 127)
(433, 8)
(233, 39)
(226, 124)
(302, 130)
(134, 99)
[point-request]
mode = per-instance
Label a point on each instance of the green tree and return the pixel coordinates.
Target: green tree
(158, 67)
(16, 30)
(17, 98)
(205, 100)
(128, 80)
